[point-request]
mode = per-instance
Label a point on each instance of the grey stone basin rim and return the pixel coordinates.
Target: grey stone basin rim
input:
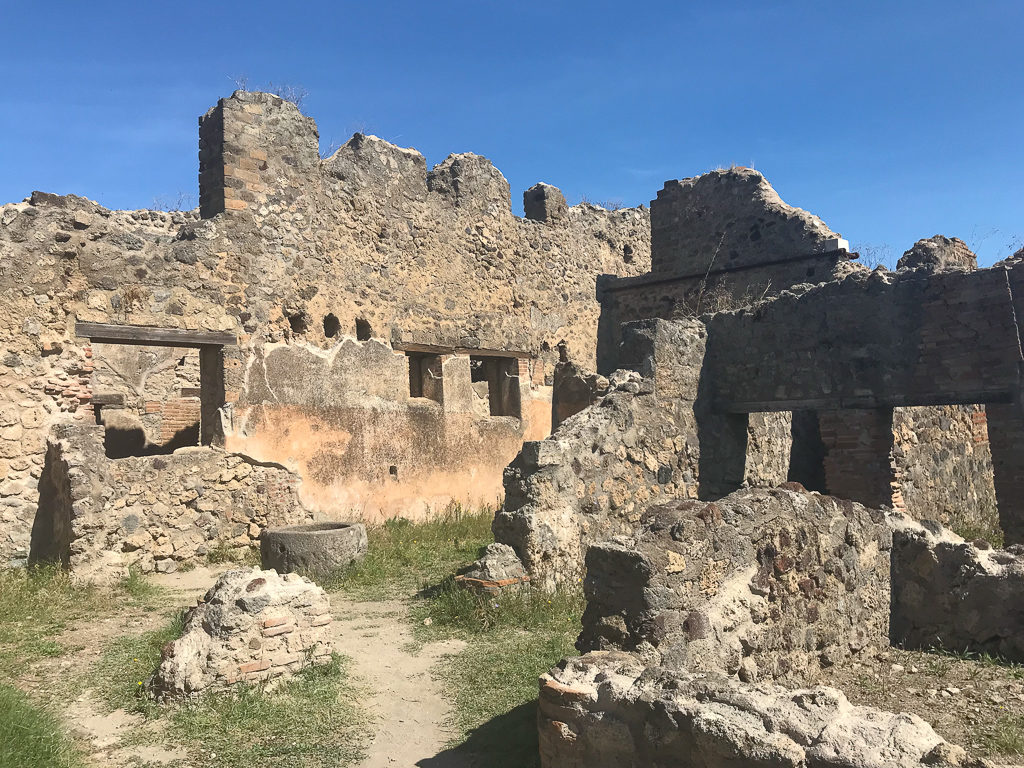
(312, 528)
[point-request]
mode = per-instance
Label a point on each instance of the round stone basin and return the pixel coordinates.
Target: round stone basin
(316, 550)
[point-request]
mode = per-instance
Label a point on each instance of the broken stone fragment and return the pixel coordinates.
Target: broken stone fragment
(606, 709)
(498, 563)
(251, 626)
(545, 203)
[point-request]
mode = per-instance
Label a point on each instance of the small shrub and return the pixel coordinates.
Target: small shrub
(221, 553)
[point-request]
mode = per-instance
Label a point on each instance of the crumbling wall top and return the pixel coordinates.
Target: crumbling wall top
(728, 219)
(472, 182)
(939, 253)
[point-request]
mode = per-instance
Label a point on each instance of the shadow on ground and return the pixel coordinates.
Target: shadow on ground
(506, 741)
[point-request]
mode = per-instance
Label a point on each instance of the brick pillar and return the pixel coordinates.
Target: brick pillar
(255, 149)
(1006, 439)
(211, 394)
(859, 456)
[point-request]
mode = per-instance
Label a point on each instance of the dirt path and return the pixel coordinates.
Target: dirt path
(402, 695)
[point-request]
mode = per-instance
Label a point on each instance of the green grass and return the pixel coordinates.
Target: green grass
(1006, 735)
(38, 604)
(120, 674)
(404, 556)
(309, 721)
(35, 607)
(513, 638)
(983, 524)
(31, 737)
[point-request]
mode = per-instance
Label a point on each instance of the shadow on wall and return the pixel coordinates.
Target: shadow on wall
(122, 442)
(51, 530)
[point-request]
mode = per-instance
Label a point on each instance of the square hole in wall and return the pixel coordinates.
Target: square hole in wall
(496, 379)
(425, 377)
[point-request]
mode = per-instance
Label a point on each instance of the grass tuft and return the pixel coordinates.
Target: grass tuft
(120, 675)
(37, 605)
(404, 556)
(31, 737)
(311, 721)
(1006, 735)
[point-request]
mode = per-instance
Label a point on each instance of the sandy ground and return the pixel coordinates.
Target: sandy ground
(404, 699)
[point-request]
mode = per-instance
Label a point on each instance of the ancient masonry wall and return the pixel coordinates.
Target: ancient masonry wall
(719, 240)
(922, 339)
(777, 584)
(306, 255)
(154, 512)
(636, 446)
(955, 595)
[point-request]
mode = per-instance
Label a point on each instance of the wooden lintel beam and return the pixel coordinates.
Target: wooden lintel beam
(439, 349)
(152, 336)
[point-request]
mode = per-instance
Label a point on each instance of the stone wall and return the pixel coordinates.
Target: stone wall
(728, 219)
(295, 251)
(773, 584)
(102, 517)
(638, 445)
(871, 341)
(605, 710)
(958, 596)
(944, 466)
(718, 241)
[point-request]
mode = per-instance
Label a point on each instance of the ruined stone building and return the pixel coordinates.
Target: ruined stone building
(354, 336)
(360, 337)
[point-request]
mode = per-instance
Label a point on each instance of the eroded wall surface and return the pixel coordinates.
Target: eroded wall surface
(309, 254)
(776, 584)
(638, 445)
(607, 709)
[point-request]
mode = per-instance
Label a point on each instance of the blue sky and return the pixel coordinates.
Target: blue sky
(890, 120)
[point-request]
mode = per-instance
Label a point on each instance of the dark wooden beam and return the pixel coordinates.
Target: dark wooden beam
(866, 403)
(151, 336)
(438, 349)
